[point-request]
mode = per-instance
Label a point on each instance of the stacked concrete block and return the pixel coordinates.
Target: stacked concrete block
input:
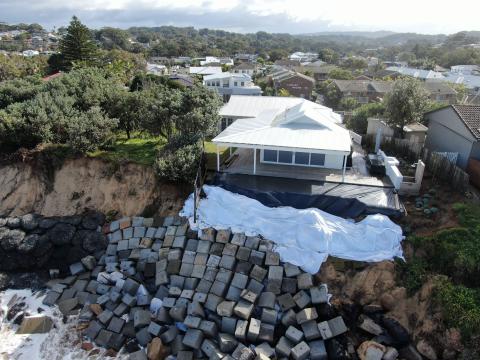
(212, 294)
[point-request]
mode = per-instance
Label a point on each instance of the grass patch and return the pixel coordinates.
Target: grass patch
(460, 306)
(141, 149)
(412, 273)
(211, 154)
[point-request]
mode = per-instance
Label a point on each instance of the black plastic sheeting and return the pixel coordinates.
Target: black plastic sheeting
(340, 199)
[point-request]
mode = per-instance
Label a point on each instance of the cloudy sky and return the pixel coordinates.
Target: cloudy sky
(293, 16)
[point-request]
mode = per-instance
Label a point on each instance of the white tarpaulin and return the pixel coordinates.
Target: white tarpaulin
(302, 237)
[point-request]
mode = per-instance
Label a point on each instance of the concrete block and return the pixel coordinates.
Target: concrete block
(143, 336)
(192, 245)
(233, 293)
(325, 331)
(212, 302)
(241, 330)
(209, 328)
(243, 253)
(264, 350)
(255, 286)
(160, 233)
(294, 335)
(258, 273)
(249, 296)
(187, 294)
(256, 257)
(304, 281)
(204, 286)
(319, 294)
(243, 309)
(272, 258)
(286, 301)
(227, 342)
(192, 322)
(310, 330)
(267, 300)
(227, 262)
(195, 308)
(105, 317)
(178, 312)
(301, 351)
(208, 234)
(318, 350)
(302, 299)
(216, 249)
(224, 276)
(269, 316)
(141, 318)
(179, 242)
(283, 347)
(200, 297)
(240, 280)
(198, 271)
(193, 338)
(223, 236)
(253, 330)
(229, 325)
(190, 283)
(185, 355)
(289, 285)
(161, 278)
(103, 338)
(337, 326)
(238, 239)
(169, 335)
(116, 325)
(171, 230)
(203, 246)
(139, 231)
(267, 332)
(225, 308)
(186, 269)
(252, 242)
(210, 274)
(243, 353)
(213, 261)
(173, 266)
(154, 329)
(306, 314)
(230, 249)
(188, 257)
(200, 259)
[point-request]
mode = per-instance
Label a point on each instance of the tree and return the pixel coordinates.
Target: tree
(358, 122)
(78, 45)
(347, 104)
(340, 74)
(331, 94)
(283, 92)
(354, 63)
(406, 103)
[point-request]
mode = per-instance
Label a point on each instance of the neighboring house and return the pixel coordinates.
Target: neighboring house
(364, 91)
(471, 82)
(286, 63)
(228, 84)
(414, 132)
(319, 72)
(240, 107)
(156, 69)
(455, 128)
(466, 69)
(204, 70)
(419, 74)
(303, 57)
(303, 134)
(441, 92)
(295, 83)
(245, 68)
(246, 57)
(30, 53)
(182, 79)
(216, 60)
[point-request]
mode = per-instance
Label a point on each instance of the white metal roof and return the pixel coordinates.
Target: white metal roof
(298, 127)
(251, 106)
(205, 70)
(227, 75)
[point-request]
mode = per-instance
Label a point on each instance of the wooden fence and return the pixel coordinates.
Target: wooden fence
(396, 147)
(443, 169)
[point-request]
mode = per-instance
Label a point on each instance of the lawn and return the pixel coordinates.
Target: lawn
(211, 153)
(141, 149)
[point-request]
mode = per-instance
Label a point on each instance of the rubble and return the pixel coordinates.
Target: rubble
(160, 286)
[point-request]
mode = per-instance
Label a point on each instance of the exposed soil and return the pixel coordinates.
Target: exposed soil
(84, 183)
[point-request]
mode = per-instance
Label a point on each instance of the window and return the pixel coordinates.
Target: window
(270, 155)
(317, 159)
(302, 158)
(285, 157)
(242, 83)
(224, 124)
(218, 83)
(235, 83)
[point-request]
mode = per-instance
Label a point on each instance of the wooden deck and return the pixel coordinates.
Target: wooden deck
(243, 164)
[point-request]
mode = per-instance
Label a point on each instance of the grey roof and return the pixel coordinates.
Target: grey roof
(364, 86)
(439, 87)
(470, 115)
(245, 66)
(284, 75)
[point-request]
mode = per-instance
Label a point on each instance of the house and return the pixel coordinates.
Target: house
(295, 83)
(364, 91)
(413, 132)
(216, 60)
(245, 68)
(466, 69)
(156, 69)
(471, 82)
(246, 58)
(285, 132)
(286, 63)
(30, 53)
(441, 92)
(204, 70)
(419, 74)
(240, 107)
(228, 84)
(183, 79)
(455, 128)
(303, 57)
(319, 72)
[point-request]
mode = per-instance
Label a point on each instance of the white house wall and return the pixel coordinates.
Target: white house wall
(332, 161)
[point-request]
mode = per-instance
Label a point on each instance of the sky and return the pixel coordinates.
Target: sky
(285, 16)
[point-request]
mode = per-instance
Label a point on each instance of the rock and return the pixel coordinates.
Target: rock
(388, 302)
(156, 350)
(47, 223)
(35, 325)
(453, 340)
(29, 222)
(390, 354)
(370, 326)
(89, 262)
(28, 243)
(399, 334)
(10, 239)
(410, 353)
(426, 350)
(13, 222)
(92, 240)
(92, 220)
(61, 234)
(371, 350)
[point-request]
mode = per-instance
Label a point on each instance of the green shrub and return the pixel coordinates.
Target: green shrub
(460, 306)
(179, 160)
(412, 273)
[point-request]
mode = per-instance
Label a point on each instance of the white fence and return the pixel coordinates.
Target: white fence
(356, 138)
(391, 169)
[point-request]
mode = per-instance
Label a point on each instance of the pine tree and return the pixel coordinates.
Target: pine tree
(78, 44)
